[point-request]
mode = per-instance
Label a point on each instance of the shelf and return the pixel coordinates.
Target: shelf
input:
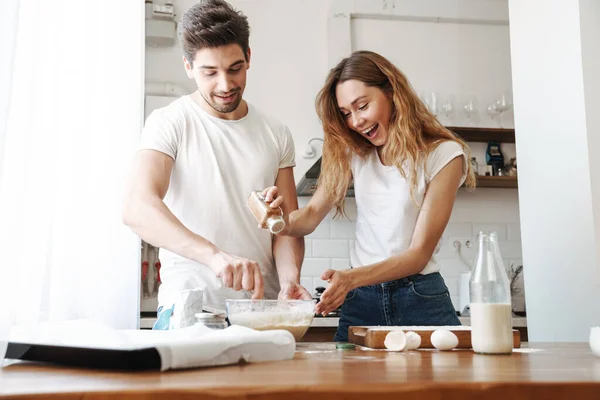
(307, 185)
(501, 135)
(474, 134)
(306, 188)
(509, 182)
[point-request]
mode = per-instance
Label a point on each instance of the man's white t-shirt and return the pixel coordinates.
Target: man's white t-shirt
(217, 164)
(387, 215)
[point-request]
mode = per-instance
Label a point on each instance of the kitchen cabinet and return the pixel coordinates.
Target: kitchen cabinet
(318, 370)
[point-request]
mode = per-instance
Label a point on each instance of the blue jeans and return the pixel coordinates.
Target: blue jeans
(415, 300)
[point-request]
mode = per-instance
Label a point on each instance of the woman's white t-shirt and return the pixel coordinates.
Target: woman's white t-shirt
(387, 214)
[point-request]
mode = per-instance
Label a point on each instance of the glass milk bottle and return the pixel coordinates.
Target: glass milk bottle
(491, 310)
(267, 217)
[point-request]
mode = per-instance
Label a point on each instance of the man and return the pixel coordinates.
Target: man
(200, 158)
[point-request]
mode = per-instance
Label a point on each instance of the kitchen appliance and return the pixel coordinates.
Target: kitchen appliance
(161, 28)
(494, 157)
(463, 282)
(308, 183)
(317, 297)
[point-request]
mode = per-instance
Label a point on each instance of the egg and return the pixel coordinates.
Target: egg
(395, 341)
(443, 339)
(595, 340)
(413, 340)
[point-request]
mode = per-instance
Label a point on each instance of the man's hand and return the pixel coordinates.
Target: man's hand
(238, 273)
(293, 291)
(340, 284)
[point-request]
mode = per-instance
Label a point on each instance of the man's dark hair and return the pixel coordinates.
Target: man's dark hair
(212, 23)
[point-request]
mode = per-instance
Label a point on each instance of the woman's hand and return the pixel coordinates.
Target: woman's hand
(271, 195)
(340, 283)
(275, 200)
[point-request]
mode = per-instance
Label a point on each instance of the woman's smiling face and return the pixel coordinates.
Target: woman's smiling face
(366, 109)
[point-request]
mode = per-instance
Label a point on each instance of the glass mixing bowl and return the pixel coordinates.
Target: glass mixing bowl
(294, 316)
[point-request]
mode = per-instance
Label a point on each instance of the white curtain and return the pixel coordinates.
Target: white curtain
(8, 34)
(74, 118)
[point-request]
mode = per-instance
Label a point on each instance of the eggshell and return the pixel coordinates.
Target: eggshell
(396, 341)
(413, 340)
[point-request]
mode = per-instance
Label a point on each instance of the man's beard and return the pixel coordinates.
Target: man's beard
(224, 108)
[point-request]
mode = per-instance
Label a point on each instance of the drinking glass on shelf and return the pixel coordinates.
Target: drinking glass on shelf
(423, 97)
(493, 111)
(448, 107)
(470, 110)
(431, 101)
(503, 104)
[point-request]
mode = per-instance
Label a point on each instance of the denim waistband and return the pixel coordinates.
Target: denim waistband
(402, 282)
(399, 282)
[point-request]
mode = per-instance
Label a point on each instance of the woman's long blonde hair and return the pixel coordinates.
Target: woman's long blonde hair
(413, 130)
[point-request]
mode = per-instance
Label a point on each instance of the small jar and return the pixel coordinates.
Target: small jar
(210, 320)
(475, 165)
(267, 217)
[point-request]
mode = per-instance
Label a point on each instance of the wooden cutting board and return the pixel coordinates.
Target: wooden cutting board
(374, 336)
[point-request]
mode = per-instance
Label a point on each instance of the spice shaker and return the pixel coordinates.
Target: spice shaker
(267, 217)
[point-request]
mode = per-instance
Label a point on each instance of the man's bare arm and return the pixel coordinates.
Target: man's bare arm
(289, 251)
(148, 216)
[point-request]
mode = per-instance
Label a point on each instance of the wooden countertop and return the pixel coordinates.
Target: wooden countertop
(549, 371)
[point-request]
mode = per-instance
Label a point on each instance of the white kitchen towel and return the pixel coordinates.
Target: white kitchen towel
(191, 347)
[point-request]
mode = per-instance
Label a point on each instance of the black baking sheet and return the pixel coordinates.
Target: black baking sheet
(85, 357)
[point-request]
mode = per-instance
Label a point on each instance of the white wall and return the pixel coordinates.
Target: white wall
(457, 61)
(287, 69)
(555, 56)
(590, 32)
(290, 62)
(289, 58)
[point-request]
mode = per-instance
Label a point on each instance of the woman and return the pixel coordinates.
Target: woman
(406, 169)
